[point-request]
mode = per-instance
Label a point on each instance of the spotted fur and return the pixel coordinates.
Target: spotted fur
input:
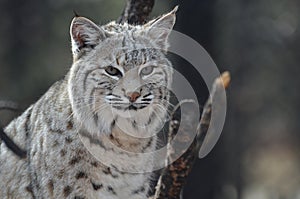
(118, 70)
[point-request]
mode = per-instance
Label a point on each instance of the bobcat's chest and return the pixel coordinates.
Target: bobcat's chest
(73, 164)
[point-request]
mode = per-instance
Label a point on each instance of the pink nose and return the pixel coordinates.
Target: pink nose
(133, 96)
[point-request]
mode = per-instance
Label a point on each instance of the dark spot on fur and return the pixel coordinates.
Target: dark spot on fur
(70, 125)
(96, 186)
(67, 191)
(55, 143)
(63, 152)
(80, 174)
(95, 164)
(61, 173)
(110, 189)
(147, 145)
(121, 172)
(50, 187)
(74, 160)
(140, 190)
(68, 139)
(50, 123)
(80, 152)
(134, 124)
(115, 140)
(112, 125)
(29, 188)
(107, 171)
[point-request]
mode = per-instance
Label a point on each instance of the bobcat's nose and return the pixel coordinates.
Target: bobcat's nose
(132, 96)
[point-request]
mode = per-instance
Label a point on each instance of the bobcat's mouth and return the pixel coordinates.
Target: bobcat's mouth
(133, 107)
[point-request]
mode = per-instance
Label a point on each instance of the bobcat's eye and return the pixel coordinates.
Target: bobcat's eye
(147, 70)
(113, 71)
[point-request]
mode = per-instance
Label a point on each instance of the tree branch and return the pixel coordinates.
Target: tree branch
(11, 145)
(174, 176)
(9, 105)
(136, 11)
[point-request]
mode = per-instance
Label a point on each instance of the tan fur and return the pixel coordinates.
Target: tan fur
(86, 112)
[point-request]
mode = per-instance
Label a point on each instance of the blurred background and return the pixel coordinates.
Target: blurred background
(258, 41)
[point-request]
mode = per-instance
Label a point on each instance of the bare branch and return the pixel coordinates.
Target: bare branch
(174, 176)
(9, 105)
(136, 11)
(11, 145)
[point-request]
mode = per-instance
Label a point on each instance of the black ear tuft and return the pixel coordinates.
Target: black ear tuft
(76, 14)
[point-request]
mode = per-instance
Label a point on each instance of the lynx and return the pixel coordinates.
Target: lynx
(114, 99)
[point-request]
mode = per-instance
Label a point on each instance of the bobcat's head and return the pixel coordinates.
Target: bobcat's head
(120, 74)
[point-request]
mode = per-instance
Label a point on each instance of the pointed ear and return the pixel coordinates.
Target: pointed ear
(159, 29)
(84, 34)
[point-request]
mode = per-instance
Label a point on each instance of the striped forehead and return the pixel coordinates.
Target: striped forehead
(131, 58)
(134, 49)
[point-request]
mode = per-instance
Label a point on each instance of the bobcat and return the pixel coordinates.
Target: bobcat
(113, 99)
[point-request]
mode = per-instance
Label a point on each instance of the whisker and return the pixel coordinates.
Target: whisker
(157, 114)
(116, 99)
(100, 108)
(164, 109)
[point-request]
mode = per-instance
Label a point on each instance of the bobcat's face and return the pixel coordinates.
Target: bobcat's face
(120, 74)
